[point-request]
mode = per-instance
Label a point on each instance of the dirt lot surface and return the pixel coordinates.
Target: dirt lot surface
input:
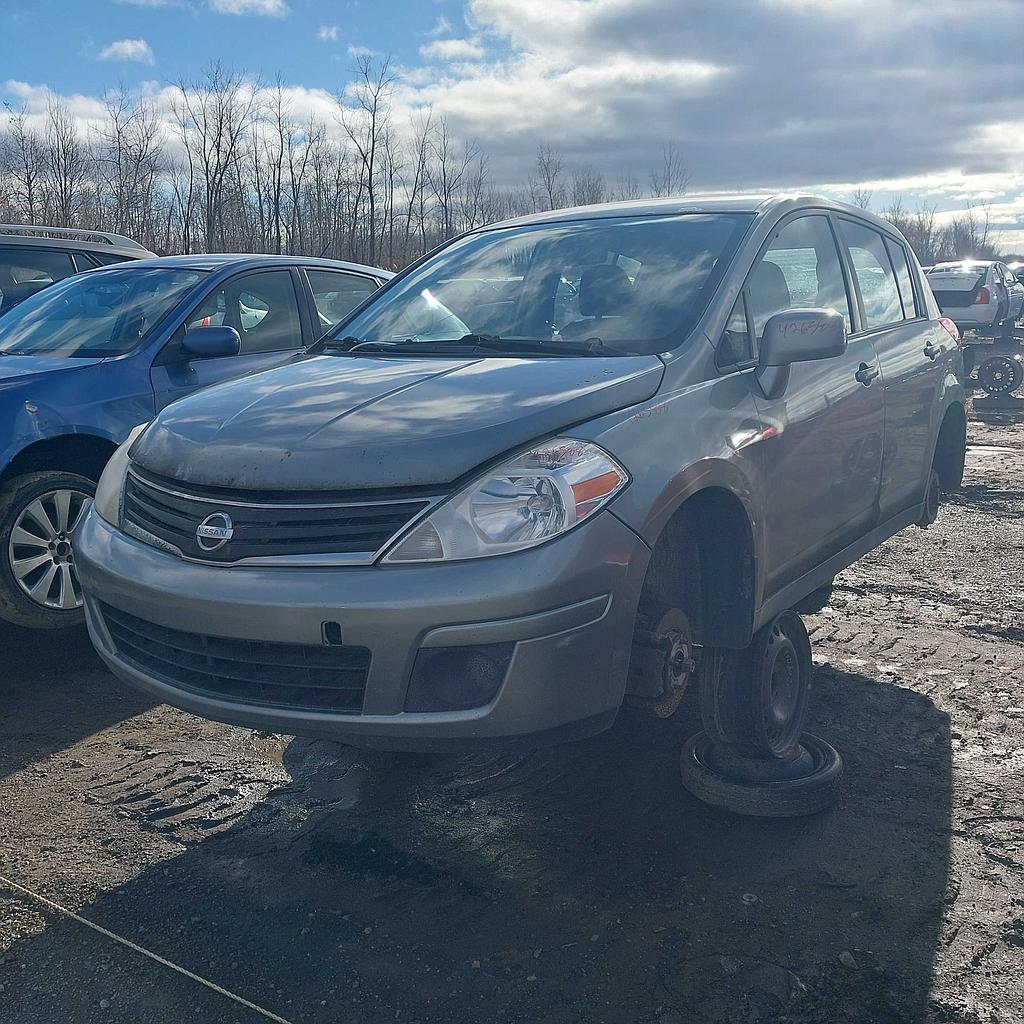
(576, 885)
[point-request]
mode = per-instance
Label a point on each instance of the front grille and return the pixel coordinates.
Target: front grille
(265, 530)
(321, 678)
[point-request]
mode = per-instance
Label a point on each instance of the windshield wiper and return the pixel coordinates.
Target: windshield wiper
(345, 344)
(468, 344)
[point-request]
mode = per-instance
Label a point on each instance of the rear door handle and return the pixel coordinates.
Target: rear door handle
(866, 374)
(932, 351)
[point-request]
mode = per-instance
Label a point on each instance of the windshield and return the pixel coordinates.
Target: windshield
(96, 314)
(617, 286)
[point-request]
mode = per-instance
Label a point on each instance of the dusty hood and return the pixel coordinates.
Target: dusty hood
(340, 422)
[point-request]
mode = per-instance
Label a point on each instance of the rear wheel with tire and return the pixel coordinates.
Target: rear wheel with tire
(39, 515)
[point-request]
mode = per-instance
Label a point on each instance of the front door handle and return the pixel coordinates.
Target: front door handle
(932, 351)
(866, 374)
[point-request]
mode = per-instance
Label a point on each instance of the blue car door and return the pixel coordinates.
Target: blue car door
(264, 306)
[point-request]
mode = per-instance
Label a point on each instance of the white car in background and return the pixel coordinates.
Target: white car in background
(977, 293)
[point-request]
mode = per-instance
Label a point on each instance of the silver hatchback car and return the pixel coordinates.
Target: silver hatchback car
(560, 464)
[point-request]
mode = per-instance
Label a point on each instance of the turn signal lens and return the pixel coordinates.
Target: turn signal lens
(533, 497)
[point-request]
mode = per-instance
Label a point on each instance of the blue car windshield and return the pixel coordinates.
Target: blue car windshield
(614, 286)
(96, 314)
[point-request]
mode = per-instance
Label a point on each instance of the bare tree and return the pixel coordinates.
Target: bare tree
(546, 183)
(628, 187)
(214, 115)
(25, 163)
(861, 198)
(447, 171)
(366, 122)
(587, 187)
(670, 177)
(128, 165)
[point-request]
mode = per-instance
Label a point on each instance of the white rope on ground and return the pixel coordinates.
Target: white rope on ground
(270, 1015)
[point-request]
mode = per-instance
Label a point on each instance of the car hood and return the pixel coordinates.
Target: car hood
(345, 422)
(17, 369)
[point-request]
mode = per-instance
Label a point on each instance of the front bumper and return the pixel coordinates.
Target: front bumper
(568, 606)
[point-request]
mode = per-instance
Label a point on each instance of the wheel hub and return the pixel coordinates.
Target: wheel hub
(41, 549)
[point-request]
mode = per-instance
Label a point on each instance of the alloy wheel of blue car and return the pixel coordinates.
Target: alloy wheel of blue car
(40, 551)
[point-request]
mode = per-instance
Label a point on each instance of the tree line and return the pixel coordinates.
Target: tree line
(226, 164)
(968, 234)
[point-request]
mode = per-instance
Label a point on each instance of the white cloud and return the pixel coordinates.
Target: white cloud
(266, 8)
(453, 50)
(327, 33)
(442, 27)
(360, 51)
(128, 49)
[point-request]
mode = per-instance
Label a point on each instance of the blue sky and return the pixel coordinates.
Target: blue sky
(918, 98)
(60, 42)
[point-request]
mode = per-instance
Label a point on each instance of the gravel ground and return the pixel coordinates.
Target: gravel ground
(581, 884)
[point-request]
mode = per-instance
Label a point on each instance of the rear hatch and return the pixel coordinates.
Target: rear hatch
(956, 287)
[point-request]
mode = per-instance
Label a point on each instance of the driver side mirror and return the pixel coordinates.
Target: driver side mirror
(797, 336)
(210, 342)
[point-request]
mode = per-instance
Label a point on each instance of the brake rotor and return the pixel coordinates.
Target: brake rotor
(680, 661)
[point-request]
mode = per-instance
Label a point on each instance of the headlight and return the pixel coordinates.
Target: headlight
(108, 490)
(533, 497)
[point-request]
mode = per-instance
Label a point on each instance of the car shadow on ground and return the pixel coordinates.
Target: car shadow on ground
(54, 691)
(575, 884)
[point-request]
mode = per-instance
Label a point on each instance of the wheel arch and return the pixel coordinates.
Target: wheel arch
(950, 446)
(86, 454)
(727, 550)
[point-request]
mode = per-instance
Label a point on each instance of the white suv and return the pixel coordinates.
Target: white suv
(977, 293)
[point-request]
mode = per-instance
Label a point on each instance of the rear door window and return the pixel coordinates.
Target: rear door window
(904, 281)
(874, 273)
(27, 270)
(336, 294)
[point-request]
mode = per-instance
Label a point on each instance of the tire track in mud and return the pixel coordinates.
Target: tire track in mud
(183, 795)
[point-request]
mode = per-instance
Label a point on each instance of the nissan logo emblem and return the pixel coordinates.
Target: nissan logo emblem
(214, 532)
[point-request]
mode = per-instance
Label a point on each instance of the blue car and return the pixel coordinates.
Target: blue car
(91, 357)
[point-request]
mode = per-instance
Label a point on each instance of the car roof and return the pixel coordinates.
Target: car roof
(17, 240)
(251, 261)
(956, 264)
(711, 202)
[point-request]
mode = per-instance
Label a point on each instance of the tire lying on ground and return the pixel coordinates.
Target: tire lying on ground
(1001, 373)
(803, 785)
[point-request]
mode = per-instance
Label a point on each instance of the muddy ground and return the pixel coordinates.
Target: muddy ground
(576, 885)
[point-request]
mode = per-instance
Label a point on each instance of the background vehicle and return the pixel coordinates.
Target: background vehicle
(977, 293)
(86, 360)
(577, 497)
(32, 258)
